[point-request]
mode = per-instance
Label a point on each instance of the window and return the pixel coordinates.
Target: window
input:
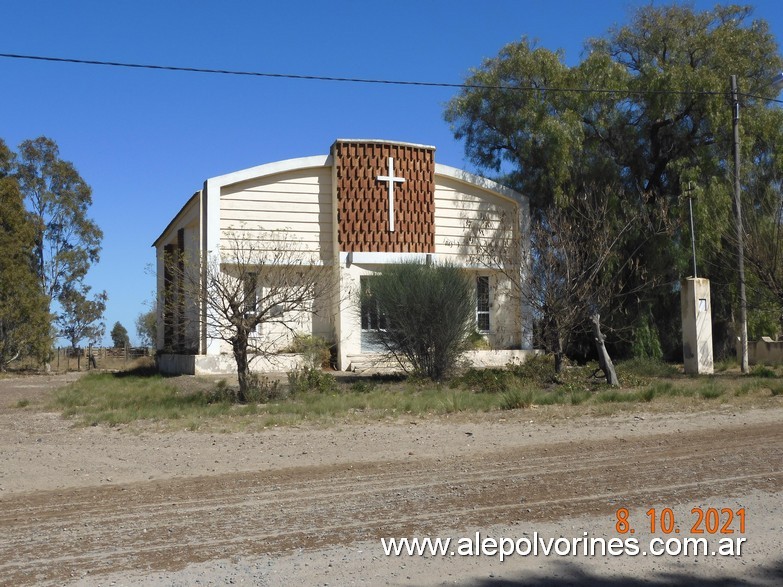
(482, 303)
(372, 318)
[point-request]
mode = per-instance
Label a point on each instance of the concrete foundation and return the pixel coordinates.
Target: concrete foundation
(696, 309)
(171, 364)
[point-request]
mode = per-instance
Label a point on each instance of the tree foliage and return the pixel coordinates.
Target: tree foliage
(24, 317)
(575, 271)
(119, 335)
(147, 326)
(644, 113)
(67, 241)
(81, 318)
(428, 313)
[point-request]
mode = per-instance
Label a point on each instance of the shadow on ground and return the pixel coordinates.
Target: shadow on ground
(568, 574)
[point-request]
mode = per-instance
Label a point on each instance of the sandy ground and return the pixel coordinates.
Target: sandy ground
(309, 506)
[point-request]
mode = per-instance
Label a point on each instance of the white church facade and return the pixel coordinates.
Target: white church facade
(366, 204)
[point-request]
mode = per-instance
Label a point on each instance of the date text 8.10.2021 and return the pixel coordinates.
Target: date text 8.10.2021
(702, 521)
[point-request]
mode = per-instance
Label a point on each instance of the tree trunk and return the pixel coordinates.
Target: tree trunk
(239, 345)
(604, 360)
(558, 353)
(556, 342)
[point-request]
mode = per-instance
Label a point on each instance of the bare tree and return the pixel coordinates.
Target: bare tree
(574, 265)
(254, 294)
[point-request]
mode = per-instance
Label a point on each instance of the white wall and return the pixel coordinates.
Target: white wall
(459, 205)
(297, 203)
(187, 219)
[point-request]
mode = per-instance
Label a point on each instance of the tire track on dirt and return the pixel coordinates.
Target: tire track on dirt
(56, 535)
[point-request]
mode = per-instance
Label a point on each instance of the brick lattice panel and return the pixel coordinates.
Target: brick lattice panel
(363, 199)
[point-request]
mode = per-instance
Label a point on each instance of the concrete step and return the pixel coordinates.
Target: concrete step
(369, 363)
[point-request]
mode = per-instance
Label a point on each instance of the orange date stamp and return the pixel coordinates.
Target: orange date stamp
(700, 521)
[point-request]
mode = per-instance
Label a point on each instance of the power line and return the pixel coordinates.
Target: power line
(355, 80)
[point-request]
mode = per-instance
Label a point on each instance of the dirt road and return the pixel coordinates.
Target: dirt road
(316, 494)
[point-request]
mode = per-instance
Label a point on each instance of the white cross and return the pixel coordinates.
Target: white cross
(391, 180)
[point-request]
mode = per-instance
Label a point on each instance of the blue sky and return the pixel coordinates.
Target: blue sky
(146, 140)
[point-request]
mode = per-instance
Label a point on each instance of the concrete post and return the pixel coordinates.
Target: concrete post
(696, 326)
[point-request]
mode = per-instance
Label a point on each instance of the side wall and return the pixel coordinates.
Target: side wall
(178, 312)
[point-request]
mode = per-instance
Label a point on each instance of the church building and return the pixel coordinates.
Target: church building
(366, 204)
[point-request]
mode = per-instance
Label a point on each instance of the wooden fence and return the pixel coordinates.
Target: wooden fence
(70, 359)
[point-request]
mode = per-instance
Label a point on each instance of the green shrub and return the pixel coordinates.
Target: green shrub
(453, 402)
(539, 369)
(763, 371)
(776, 390)
(710, 390)
(314, 349)
(309, 379)
(487, 380)
(647, 395)
(749, 385)
(222, 393)
(725, 365)
(763, 322)
(613, 396)
(363, 386)
(646, 342)
(423, 313)
(262, 389)
(478, 342)
(578, 397)
(516, 399)
(646, 367)
(663, 388)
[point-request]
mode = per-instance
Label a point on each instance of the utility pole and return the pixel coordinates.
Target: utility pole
(740, 232)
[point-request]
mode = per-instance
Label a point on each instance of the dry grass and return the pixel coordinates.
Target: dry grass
(143, 398)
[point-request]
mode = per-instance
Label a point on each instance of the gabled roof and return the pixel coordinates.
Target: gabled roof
(182, 211)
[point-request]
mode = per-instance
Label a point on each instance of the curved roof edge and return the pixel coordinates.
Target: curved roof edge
(271, 169)
(482, 182)
(325, 161)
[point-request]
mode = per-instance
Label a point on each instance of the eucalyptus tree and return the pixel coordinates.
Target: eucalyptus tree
(81, 317)
(24, 317)
(67, 241)
(119, 335)
(147, 326)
